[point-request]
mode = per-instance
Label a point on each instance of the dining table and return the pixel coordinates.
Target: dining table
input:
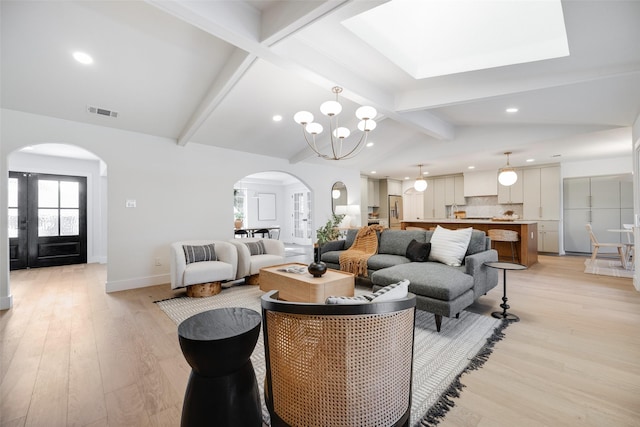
(251, 231)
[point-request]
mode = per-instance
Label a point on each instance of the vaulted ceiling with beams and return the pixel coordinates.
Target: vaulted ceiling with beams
(216, 72)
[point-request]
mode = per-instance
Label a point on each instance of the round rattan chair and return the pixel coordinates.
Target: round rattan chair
(338, 365)
(511, 236)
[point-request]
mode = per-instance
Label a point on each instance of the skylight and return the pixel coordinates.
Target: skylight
(428, 38)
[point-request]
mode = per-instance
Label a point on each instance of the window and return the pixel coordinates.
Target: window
(240, 203)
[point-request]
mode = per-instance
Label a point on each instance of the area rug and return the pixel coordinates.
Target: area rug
(606, 267)
(440, 359)
(293, 252)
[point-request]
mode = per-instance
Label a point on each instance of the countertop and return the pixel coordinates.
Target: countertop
(469, 221)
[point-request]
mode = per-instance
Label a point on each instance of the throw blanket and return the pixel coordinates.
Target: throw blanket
(354, 260)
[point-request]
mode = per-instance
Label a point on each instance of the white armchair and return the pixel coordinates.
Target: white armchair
(249, 265)
(204, 271)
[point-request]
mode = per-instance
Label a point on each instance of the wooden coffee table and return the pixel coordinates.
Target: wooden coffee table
(305, 287)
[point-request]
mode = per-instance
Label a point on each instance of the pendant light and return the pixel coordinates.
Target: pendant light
(507, 175)
(421, 183)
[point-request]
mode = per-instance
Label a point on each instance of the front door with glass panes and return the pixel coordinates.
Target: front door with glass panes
(47, 220)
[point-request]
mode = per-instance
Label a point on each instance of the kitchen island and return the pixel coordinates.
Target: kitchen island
(527, 247)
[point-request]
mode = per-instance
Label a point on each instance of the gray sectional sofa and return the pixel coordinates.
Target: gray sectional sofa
(439, 288)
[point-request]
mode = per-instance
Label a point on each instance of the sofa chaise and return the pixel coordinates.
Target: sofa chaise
(441, 289)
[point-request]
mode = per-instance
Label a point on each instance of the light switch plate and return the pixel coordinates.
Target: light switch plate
(130, 203)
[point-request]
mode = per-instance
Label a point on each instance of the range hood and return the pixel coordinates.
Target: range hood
(483, 183)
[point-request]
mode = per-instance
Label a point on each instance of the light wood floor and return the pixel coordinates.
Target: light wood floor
(72, 355)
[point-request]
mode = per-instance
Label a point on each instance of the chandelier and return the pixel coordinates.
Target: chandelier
(507, 175)
(421, 183)
(340, 148)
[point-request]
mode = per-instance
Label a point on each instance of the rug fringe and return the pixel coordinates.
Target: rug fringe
(443, 405)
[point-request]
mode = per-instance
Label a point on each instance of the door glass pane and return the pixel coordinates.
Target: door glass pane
(47, 194)
(13, 192)
(69, 222)
(13, 222)
(299, 229)
(69, 196)
(47, 222)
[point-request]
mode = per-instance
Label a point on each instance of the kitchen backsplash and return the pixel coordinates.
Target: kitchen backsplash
(486, 207)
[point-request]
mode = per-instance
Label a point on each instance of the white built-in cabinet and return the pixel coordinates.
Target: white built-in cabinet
(442, 192)
(394, 187)
(454, 190)
(434, 198)
(548, 237)
(513, 193)
(541, 193)
(413, 205)
(606, 202)
(373, 192)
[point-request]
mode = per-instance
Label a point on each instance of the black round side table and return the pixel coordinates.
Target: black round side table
(222, 388)
(504, 266)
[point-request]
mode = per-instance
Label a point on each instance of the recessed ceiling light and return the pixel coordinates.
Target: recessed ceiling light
(369, 144)
(425, 173)
(511, 110)
(277, 118)
(406, 177)
(373, 172)
(471, 167)
(530, 160)
(82, 58)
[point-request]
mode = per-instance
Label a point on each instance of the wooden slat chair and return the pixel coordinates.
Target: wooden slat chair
(597, 245)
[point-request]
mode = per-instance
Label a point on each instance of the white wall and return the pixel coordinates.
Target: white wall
(613, 166)
(635, 137)
(181, 192)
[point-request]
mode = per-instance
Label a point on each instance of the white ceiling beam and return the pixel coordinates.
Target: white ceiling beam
(487, 84)
(233, 71)
(240, 25)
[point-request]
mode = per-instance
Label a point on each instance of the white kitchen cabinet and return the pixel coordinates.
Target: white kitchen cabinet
(548, 237)
(394, 187)
(439, 201)
(374, 192)
(429, 202)
(454, 190)
(512, 193)
(605, 202)
(413, 206)
(541, 193)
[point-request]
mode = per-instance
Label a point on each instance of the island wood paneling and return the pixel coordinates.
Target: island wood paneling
(527, 247)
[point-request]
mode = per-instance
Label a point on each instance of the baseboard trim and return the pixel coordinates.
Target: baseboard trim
(6, 302)
(140, 282)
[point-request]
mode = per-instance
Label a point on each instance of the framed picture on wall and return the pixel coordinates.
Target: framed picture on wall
(266, 207)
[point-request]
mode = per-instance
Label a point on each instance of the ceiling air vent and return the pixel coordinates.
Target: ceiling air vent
(102, 111)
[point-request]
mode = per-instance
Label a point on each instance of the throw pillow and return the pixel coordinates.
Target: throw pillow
(418, 252)
(450, 246)
(256, 248)
(199, 253)
(360, 299)
(392, 291)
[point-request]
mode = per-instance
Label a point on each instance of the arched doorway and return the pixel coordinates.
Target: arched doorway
(275, 199)
(57, 206)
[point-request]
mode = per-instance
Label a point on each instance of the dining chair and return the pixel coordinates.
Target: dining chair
(263, 232)
(241, 233)
(597, 245)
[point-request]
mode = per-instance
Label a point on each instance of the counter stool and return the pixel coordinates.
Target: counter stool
(222, 388)
(510, 236)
